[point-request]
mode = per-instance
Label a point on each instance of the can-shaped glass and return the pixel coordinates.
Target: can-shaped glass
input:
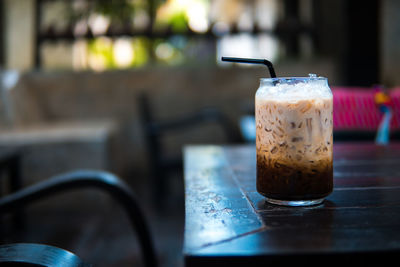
(294, 140)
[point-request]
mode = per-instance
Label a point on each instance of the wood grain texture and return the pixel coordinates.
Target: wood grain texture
(359, 221)
(216, 209)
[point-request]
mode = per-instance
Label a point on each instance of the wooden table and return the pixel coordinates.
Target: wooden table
(229, 224)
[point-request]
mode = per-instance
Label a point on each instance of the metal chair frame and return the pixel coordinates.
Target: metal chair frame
(104, 181)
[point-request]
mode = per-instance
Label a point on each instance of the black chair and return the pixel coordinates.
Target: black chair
(104, 181)
(161, 164)
(25, 254)
(10, 164)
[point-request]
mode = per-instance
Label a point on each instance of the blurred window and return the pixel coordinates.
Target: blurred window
(105, 34)
(2, 30)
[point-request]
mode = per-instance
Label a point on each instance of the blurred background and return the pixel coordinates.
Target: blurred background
(123, 85)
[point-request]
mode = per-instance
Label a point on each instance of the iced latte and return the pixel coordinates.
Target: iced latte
(294, 140)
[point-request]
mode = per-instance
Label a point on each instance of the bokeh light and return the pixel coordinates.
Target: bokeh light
(123, 52)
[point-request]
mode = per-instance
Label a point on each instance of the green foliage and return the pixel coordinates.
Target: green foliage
(141, 53)
(178, 22)
(102, 49)
(119, 11)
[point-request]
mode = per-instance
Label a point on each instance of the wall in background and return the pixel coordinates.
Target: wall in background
(19, 34)
(390, 40)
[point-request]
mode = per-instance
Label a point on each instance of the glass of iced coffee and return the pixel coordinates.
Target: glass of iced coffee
(294, 140)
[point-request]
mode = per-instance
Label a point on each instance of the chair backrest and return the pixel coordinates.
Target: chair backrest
(81, 179)
(28, 254)
(356, 116)
(355, 109)
(163, 163)
(155, 129)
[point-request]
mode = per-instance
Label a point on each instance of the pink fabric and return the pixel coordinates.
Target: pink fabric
(354, 108)
(395, 95)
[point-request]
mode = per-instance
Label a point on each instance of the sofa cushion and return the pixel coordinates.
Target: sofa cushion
(355, 109)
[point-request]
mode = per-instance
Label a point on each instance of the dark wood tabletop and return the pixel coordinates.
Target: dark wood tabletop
(229, 224)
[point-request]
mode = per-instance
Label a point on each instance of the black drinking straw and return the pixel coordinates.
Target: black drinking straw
(252, 61)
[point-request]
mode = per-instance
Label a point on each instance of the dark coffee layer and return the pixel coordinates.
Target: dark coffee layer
(282, 181)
